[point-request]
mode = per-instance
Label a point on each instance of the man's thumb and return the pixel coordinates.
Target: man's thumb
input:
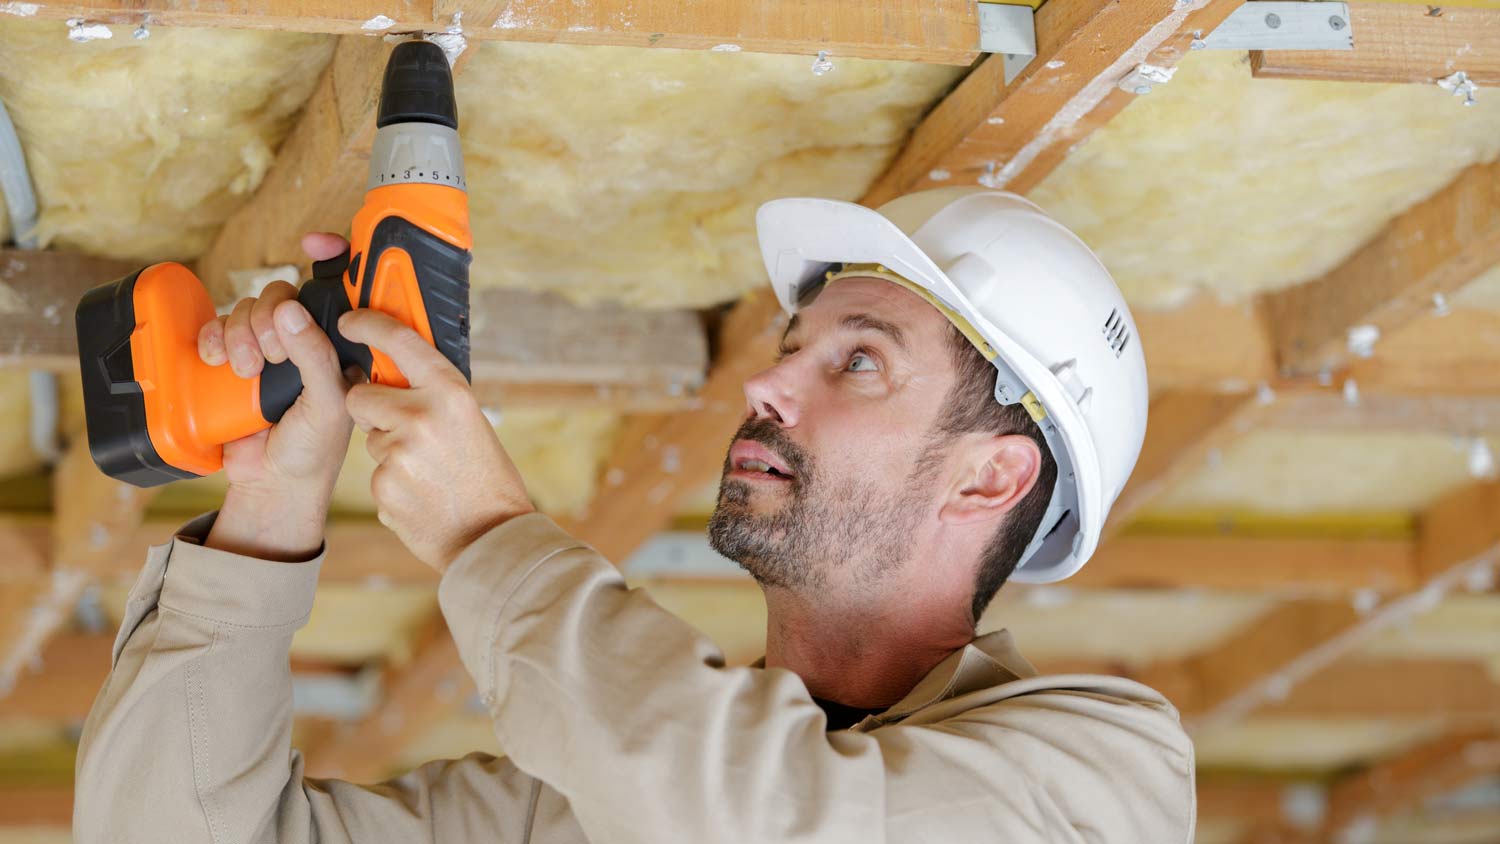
(310, 351)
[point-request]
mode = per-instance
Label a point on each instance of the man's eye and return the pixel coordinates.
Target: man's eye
(861, 362)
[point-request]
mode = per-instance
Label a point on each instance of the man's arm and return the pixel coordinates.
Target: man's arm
(632, 715)
(190, 739)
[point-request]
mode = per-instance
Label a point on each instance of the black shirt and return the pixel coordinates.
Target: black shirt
(841, 717)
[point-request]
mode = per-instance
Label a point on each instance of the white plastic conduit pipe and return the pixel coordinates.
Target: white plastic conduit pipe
(20, 203)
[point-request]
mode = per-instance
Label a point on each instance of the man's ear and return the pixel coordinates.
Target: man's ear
(997, 473)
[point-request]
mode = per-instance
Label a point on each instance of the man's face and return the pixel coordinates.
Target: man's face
(832, 471)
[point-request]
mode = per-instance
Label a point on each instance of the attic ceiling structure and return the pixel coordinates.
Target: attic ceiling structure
(1304, 561)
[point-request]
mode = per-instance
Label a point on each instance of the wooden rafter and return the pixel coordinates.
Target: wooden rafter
(1403, 783)
(1012, 136)
(527, 348)
(44, 808)
(1435, 247)
(1265, 661)
(945, 31)
(1396, 42)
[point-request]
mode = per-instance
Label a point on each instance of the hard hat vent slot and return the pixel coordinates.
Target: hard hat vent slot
(1117, 332)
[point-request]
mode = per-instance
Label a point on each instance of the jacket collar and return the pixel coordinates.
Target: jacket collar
(990, 660)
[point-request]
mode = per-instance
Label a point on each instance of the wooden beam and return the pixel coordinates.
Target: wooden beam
(30, 806)
(1405, 782)
(1460, 691)
(1012, 136)
(1266, 660)
(1182, 428)
(95, 519)
(1299, 566)
(944, 31)
(1396, 42)
(528, 349)
(42, 289)
(1436, 246)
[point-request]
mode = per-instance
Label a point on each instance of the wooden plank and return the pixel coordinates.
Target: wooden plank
(1310, 408)
(1405, 782)
(942, 31)
(95, 518)
(533, 349)
(1398, 43)
(40, 807)
(1303, 566)
(1182, 428)
(1456, 354)
(1436, 246)
(1205, 344)
(38, 293)
(1460, 691)
(1012, 136)
(1266, 660)
(61, 686)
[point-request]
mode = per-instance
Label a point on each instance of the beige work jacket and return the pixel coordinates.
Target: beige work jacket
(620, 721)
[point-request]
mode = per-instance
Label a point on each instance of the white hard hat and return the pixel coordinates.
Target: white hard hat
(1031, 296)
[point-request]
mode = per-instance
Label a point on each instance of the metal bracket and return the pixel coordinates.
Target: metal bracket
(1010, 31)
(1278, 25)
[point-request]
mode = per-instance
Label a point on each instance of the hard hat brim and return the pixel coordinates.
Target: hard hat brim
(801, 237)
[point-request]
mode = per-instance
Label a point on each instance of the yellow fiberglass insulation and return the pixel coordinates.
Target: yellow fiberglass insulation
(633, 175)
(1222, 182)
(140, 149)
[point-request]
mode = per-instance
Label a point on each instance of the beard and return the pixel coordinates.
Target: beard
(826, 525)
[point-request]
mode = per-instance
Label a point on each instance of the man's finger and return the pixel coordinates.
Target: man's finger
(244, 351)
(211, 348)
(310, 351)
(320, 246)
(376, 407)
(417, 360)
(261, 323)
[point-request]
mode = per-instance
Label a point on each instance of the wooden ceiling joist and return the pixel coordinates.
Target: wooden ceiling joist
(1399, 42)
(1435, 247)
(526, 348)
(1405, 782)
(43, 808)
(940, 31)
(1266, 660)
(1012, 136)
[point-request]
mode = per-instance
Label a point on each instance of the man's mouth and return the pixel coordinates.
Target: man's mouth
(753, 461)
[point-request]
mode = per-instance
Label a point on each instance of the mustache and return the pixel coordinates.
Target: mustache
(770, 435)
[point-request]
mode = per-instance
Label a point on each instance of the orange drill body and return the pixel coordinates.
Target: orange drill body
(156, 412)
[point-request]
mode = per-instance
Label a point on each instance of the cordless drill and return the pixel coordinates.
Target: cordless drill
(155, 412)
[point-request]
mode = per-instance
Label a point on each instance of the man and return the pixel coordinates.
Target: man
(957, 397)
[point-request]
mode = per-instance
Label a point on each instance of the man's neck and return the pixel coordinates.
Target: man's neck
(863, 656)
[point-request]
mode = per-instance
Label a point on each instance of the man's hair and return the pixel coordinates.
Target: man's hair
(970, 407)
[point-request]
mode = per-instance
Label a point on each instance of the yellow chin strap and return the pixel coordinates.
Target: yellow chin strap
(880, 271)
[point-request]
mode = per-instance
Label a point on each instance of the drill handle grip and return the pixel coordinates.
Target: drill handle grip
(326, 301)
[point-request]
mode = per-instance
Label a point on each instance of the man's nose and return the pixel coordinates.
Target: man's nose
(771, 394)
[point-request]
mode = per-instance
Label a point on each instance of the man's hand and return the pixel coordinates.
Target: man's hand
(443, 479)
(280, 479)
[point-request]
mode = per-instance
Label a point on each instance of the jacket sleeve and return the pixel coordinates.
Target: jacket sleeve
(633, 716)
(190, 738)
